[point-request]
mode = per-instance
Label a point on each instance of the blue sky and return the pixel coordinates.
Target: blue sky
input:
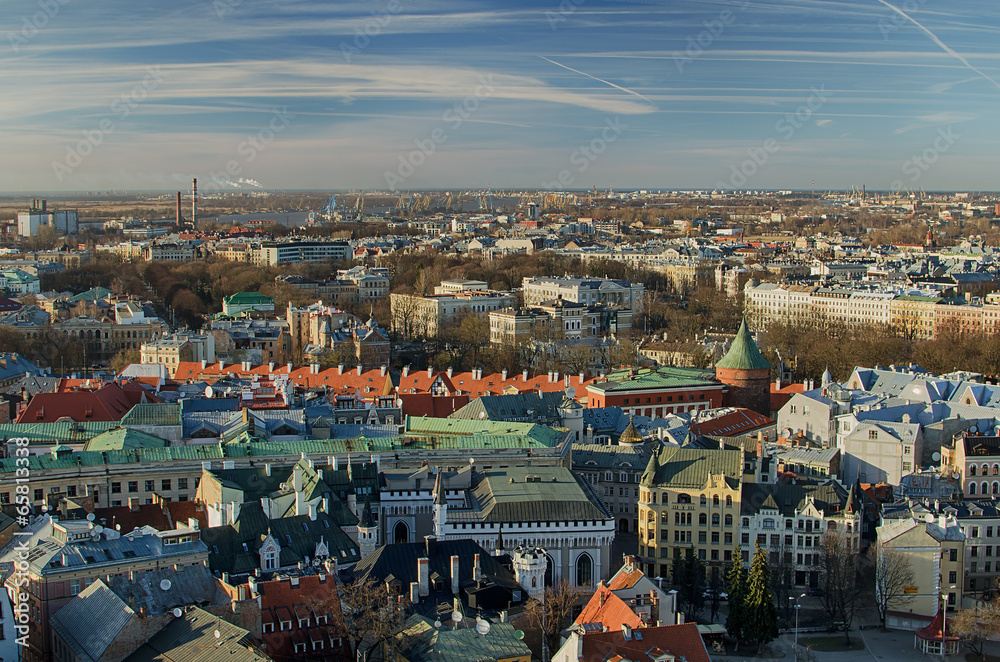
(464, 94)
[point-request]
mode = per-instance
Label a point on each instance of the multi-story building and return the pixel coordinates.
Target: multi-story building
(247, 301)
(558, 320)
(269, 337)
(417, 315)
(689, 499)
(880, 451)
(273, 253)
(657, 392)
(316, 328)
(615, 472)
(101, 340)
(587, 291)
(64, 557)
(169, 252)
(179, 347)
(790, 520)
(975, 461)
(935, 549)
(65, 221)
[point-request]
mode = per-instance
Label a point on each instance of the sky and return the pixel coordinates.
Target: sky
(441, 94)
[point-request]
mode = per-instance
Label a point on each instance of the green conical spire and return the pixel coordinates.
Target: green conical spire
(743, 354)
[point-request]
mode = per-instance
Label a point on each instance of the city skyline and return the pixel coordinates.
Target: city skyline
(561, 95)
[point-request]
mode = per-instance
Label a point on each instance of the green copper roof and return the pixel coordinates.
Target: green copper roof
(653, 378)
(743, 354)
(676, 467)
(123, 438)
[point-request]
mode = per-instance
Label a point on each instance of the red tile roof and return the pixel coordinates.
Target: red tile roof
(109, 403)
(678, 640)
(625, 579)
(302, 377)
(309, 597)
(609, 610)
(435, 406)
(732, 424)
(780, 396)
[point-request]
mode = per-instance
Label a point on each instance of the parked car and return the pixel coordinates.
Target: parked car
(712, 595)
(816, 592)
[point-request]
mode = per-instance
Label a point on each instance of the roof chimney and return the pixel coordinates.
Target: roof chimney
(430, 371)
(430, 545)
(406, 370)
(454, 574)
(340, 368)
(423, 576)
(360, 368)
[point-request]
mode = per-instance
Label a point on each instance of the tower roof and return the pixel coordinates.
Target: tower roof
(630, 435)
(743, 354)
(367, 517)
(439, 498)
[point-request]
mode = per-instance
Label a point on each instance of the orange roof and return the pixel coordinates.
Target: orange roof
(780, 396)
(370, 382)
(625, 579)
(475, 385)
(609, 610)
(435, 406)
(732, 424)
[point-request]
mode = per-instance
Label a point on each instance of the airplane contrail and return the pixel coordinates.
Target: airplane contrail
(944, 46)
(599, 80)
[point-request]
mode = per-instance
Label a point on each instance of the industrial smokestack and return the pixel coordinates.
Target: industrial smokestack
(194, 203)
(179, 217)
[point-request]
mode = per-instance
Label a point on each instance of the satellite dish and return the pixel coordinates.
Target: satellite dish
(165, 585)
(209, 392)
(936, 456)
(98, 529)
(571, 392)
(218, 635)
(118, 527)
(482, 414)
(437, 623)
(456, 616)
(483, 627)
(177, 612)
(519, 634)
(974, 429)
(91, 517)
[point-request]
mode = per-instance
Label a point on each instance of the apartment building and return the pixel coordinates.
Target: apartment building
(689, 499)
(588, 291)
(273, 253)
(559, 320)
(418, 315)
(176, 348)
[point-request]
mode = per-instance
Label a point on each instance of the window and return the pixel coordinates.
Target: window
(74, 587)
(149, 486)
(116, 488)
(71, 490)
(715, 537)
(133, 486)
(715, 500)
(704, 500)
(729, 501)
(715, 519)
(165, 485)
(972, 470)
(182, 483)
(952, 577)
(953, 554)
(729, 520)
(873, 434)
(745, 538)
(729, 539)
(584, 570)
(768, 523)
(702, 519)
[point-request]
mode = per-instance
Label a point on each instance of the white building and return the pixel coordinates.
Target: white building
(588, 291)
(880, 451)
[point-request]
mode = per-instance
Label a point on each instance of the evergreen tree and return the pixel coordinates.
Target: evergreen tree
(689, 577)
(760, 616)
(736, 585)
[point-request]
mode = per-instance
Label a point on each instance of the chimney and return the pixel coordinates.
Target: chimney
(503, 374)
(270, 366)
(360, 368)
(313, 368)
(581, 377)
(415, 592)
(312, 512)
(680, 618)
(450, 369)
(601, 597)
(430, 371)
(336, 463)
(524, 376)
(430, 545)
(289, 366)
(626, 632)
(424, 576)
(297, 479)
(477, 570)
(267, 469)
(382, 370)
(454, 575)
(406, 370)
(194, 203)
(265, 505)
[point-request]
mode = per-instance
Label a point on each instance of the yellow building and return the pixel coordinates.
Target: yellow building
(936, 552)
(685, 496)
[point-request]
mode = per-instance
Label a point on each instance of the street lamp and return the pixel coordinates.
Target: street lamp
(797, 607)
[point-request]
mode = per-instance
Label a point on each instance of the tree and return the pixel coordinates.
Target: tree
(841, 583)
(370, 616)
(552, 614)
(977, 626)
(760, 617)
(893, 573)
(124, 358)
(688, 575)
(736, 583)
(782, 573)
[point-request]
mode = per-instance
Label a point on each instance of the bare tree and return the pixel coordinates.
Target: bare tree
(841, 579)
(893, 573)
(552, 614)
(977, 626)
(370, 617)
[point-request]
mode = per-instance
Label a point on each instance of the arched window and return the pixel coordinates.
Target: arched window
(729, 520)
(534, 582)
(549, 569)
(715, 500)
(704, 500)
(702, 519)
(401, 533)
(683, 498)
(584, 570)
(985, 470)
(729, 501)
(768, 523)
(996, 469)
(715, 519)
(996, 487)
(972, 488)
(972, 470)
(986, 488)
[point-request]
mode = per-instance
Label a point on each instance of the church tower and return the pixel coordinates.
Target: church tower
(440, 506)
(747, 373)
(368, 530)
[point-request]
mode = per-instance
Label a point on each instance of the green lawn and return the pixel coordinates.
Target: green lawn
(831, 644)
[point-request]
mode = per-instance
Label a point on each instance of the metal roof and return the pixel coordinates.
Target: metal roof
(743, 354)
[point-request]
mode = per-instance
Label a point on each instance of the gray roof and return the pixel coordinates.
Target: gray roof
(92, 620)
(191, 638)
(513, 407)
(587, 457)
(508, 495)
